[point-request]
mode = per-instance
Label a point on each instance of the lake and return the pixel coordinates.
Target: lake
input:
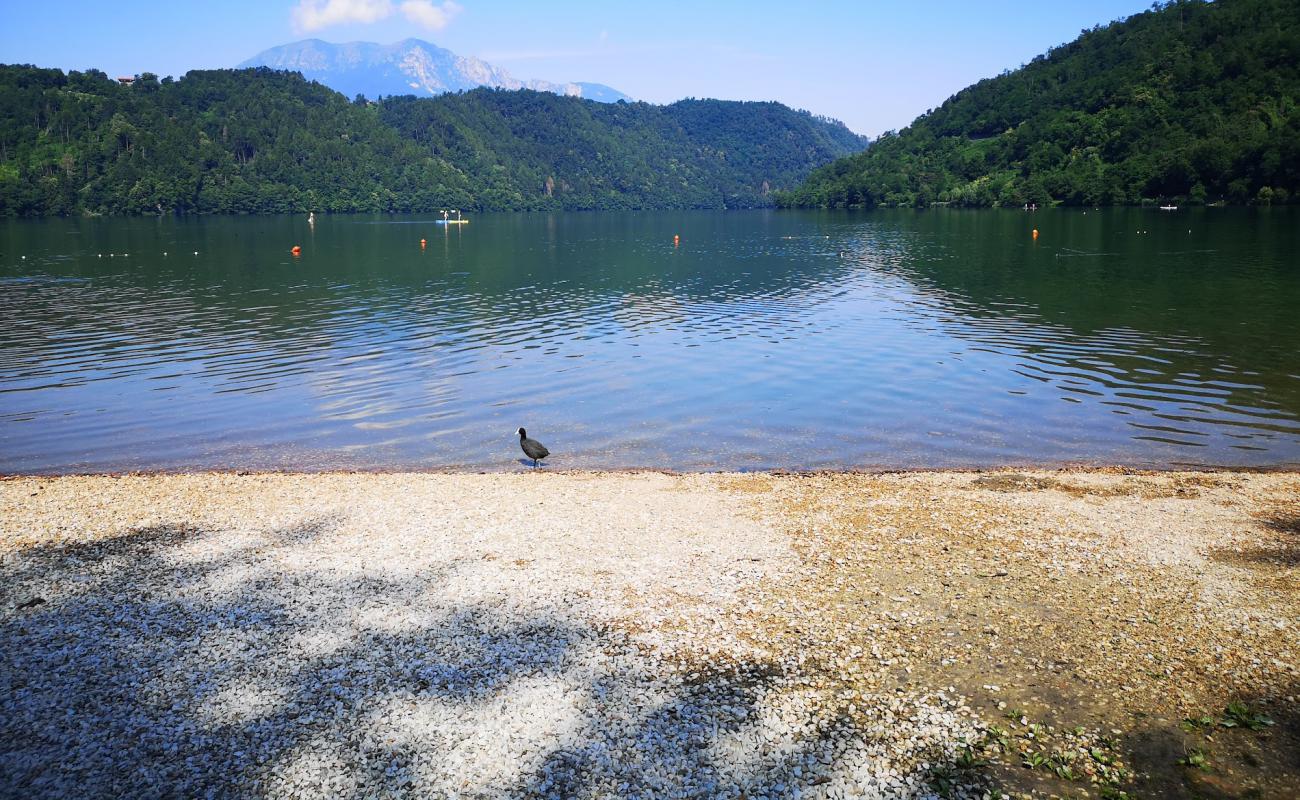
(763, 340)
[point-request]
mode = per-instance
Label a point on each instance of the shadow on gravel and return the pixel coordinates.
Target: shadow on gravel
(1282, 551)
(133, 677)
(1284, 523)
(170, 661)
(702, 724)
(1214, 757)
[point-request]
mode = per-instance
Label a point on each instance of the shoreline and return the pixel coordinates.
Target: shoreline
(1146, 204)
(1101, 468)
(555, 633)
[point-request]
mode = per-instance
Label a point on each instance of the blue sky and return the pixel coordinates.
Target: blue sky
(873, 64)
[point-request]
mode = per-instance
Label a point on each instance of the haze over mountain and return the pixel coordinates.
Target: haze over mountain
(411, 66)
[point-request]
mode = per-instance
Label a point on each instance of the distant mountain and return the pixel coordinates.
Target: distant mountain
(410, 66)
(1192, 101)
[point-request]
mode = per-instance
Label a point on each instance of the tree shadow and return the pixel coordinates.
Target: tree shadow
(1288, 523)
(174, 661)
(1286, 555)
(1231, 763)
(688, 747)
(1280, 550)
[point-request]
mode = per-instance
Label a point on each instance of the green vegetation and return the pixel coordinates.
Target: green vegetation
(1235, 715)
(1033, 759)
(1239, 715)
(1196, 757)
(1191, 102)
(529, 150)
(261, 141)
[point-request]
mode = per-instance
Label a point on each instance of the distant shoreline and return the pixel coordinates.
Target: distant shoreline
(1151, 205)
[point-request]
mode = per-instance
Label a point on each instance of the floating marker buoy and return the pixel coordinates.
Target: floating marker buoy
(196, 252)
(1035, 233)
(296, 250)
(422, 244)
(676, 240)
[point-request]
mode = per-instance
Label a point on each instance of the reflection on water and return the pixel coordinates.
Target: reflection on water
(765, 340)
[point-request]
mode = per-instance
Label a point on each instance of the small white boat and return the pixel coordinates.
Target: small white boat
(1168, 208)
(446, 221)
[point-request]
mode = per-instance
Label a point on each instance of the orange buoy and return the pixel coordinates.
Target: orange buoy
(296, 250)
(676, 240)
(422, 244)
(1035, 233)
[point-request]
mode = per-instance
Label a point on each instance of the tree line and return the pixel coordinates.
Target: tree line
(1190, 102)
(264, 141)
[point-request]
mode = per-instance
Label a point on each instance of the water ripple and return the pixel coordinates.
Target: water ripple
(765, 340)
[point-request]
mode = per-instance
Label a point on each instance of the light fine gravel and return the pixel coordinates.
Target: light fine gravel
(591, 635)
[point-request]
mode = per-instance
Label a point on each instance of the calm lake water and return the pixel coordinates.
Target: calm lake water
(764, 340)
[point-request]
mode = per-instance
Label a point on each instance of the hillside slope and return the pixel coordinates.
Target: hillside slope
(1192, 101)
(533, 149)
(262, 141)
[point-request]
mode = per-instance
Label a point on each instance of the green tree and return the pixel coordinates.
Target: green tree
(261, 141)
(1189, 94)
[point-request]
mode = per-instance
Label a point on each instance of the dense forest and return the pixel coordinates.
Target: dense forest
(261, 141)
(1191, 102)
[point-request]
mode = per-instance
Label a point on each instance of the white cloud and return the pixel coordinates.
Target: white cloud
(433, 17)
(312, 15)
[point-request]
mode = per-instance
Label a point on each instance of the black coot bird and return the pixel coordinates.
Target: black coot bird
(532, 448)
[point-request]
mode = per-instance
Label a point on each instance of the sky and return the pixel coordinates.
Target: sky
(873, 64)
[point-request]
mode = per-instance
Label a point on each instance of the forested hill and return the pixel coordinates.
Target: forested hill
(1190, 102)
(261, 141)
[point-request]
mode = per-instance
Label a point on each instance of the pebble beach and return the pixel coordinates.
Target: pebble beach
(1074, 633)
